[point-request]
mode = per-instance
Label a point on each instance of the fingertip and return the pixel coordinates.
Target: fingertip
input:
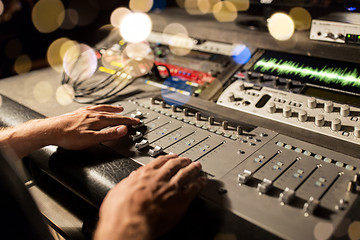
(121, 130)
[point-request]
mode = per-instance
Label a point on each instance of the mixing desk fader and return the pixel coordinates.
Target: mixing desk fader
(286, 186)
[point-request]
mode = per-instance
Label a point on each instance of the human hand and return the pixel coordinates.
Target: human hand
(89, 126)
(151, 200)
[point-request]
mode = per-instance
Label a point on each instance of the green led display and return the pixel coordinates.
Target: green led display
(328, 75)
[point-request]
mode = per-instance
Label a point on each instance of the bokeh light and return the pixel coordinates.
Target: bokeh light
(56, 52)
(354, 230)
(80, 62)
(225, 11)
(136, 67)
(192, 7)
(65, 94)
(48, 15)
(135, 27)
(43, 91)
(301, 18)
(141, 5)
(173, 29)
(176, 91)
(138, 51)
(71, 19)
(13, 48)
(117, 15)
(181, 44)
(1, 7)
(241, 54)
(207, 6)
(323, 230)
(281, 26)
(241, 5)
(111, 58)
(22, 64)
(180, 3)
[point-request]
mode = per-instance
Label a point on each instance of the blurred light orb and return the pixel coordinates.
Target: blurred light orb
(13, 48)
(225, 11)
(80, 62)
(323, 230)
(354, 230)
(71, 19)
(48, 15)
(65, 94)
(192, 7)
(204, 6)
(173, 29)
(111, 56)
(241, 54)
(117, 16)
(53, 54)
(138, 51)
(141, 5)
(281, 26)
(135, 27)
(301, 18)
(181, 44)
(241, 5)
(180, 3)
(137, 68)
(43, 91)
(22, 64)
(1, 7)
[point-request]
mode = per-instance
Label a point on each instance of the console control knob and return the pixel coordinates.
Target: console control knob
(311, 205)
(345, 110)
(245, 176)
(135, 136)
(198, 116)
(225, 125)
(336, 124)
(173, 108)
(276, 81)
(289, 84)
(152, 101)
(287, 111)
(231, 97)
(186, 111)
(320, 120)
(311, 102)
(264, 186)
(357, 131)
(211, 120)
(239, 130)
(271, 107)
(328, 106)
(302, 116)
(137, 114)
(163, 104)
(286, 196)
(155, 151)
(351, 187)
(140, 145)
(242, 86)
(141, 123)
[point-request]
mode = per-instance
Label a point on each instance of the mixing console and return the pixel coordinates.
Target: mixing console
(272, 180)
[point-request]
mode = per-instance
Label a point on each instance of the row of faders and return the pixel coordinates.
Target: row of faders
(273, 181)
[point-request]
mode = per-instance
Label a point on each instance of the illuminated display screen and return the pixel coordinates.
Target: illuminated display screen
(321, 72)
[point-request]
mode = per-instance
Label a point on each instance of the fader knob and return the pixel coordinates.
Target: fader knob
(357, 131)
(311, 102)
(319, 120)
(211, 120)
(239, 130)
(186, 111)
(271, 107)
(302, 116)
(328, 106)
(287, 111)
(242, 86)
(345, 110)
(198, 116)
(336, 124)
(225, 125)
(163, 104)
(276, 81)
(173, 108)
(152, 100)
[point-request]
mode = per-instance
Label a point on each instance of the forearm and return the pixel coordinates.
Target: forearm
(27, 137)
